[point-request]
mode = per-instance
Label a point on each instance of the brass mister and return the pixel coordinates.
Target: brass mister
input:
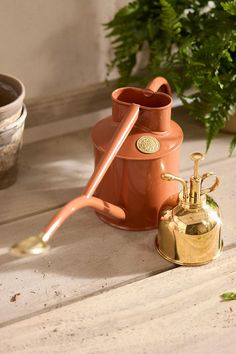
(190, 232)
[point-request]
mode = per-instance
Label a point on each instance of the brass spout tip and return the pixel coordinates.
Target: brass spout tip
(33, 245)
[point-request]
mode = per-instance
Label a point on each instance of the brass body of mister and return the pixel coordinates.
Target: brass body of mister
(190, 232)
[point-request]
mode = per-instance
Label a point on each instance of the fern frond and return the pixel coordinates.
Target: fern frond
(190, 43)
(229, 6)
(169, 19)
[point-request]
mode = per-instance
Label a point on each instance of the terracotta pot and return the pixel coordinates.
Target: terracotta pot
(11, 139)
(12, 120)
(12, 93)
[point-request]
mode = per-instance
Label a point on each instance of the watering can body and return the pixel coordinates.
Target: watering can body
(133, 180)
(132, 149)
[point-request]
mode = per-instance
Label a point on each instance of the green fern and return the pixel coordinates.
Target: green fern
(169, 19)
(192, 45)
(229, 6)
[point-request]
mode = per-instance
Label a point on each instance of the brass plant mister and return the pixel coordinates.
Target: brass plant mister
(190, 232)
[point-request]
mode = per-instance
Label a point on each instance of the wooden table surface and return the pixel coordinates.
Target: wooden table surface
(102, 290)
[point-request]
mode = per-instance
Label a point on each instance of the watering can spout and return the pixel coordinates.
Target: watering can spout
(39, 243)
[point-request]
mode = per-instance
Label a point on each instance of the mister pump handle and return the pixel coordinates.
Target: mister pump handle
(213, 186)
(197, 179)
(159, 82)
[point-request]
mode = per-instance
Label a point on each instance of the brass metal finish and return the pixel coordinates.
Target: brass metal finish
(30, 246)
(194, 264)
(148, 144)
(170, 177)
(190, 232)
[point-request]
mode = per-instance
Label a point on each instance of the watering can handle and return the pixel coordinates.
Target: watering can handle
(159, 82)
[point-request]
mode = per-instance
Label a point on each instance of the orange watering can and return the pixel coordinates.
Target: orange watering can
(133, 147)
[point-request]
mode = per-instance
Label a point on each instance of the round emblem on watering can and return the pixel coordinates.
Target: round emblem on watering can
(148, 144)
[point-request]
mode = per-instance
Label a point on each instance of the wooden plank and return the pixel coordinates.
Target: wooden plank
(179, 311)
(88, 256)
(69, 104)
(51, 171)
(64, 127)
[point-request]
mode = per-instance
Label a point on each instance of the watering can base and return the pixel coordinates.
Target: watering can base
(123, 225)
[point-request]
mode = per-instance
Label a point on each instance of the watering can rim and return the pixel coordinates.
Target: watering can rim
(149, 93)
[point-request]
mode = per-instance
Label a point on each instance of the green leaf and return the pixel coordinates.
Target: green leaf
(169, 19)
(232, 146)
(229, 296)
(229, 6)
